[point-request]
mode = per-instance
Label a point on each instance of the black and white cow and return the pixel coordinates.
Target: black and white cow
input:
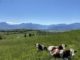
(66, 54)
(40, 47)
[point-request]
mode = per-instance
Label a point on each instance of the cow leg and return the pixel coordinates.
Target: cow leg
(55, 58)
(69, 58)
(65, 59)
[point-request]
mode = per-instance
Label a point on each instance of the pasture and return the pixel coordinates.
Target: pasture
(14, 46)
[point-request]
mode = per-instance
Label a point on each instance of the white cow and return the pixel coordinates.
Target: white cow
(55, 49)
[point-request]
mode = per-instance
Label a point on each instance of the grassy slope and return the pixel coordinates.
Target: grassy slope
(16, 47)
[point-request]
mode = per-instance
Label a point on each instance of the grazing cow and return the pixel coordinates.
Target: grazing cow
(30, 34)
(40, 47)
(55, 49)
(66, 54)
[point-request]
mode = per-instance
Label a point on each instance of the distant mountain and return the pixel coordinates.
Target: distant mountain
(58, 27)
(6, 26)
(63, 27)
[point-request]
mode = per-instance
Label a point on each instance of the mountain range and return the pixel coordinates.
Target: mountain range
(57, 27)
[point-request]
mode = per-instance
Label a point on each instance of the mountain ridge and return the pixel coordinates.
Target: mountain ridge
(6, 26)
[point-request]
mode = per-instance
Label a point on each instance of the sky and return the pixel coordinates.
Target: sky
(44, 12)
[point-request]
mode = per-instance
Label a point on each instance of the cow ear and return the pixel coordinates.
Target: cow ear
(75, 51)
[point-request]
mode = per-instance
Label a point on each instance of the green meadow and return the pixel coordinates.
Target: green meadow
(14, 46)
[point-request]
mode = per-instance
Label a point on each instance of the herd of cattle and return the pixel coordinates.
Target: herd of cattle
(57, 51)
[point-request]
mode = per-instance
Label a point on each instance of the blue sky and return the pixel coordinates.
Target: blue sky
(40, 11)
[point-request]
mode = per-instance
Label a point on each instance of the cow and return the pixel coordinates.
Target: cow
(40, 47)
(66, 54)
(55, 49)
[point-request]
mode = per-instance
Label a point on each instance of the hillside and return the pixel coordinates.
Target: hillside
(14, 46)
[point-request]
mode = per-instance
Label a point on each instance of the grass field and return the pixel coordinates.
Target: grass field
(18, 47)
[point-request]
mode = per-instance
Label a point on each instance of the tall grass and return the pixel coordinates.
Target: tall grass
(18, 47)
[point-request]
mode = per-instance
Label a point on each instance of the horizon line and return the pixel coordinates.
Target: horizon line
(11, 23)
